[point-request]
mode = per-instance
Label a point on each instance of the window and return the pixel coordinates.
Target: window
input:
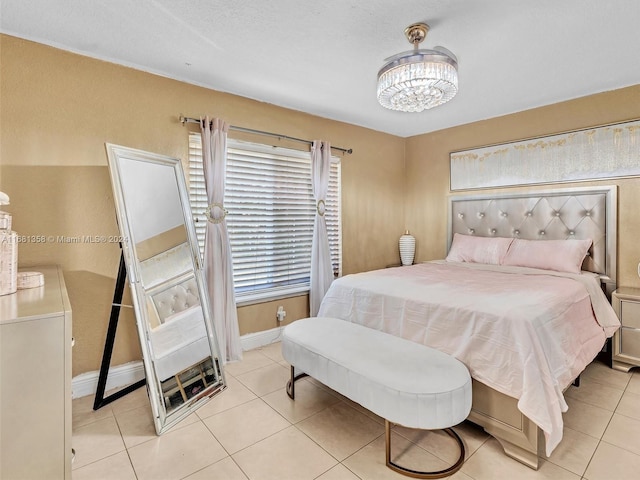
(270, 216)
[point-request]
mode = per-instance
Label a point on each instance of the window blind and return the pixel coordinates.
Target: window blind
(270, 216)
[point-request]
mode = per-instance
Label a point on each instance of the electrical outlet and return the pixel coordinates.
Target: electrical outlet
(280, 314)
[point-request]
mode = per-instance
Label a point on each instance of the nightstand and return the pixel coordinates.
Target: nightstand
(626, 340)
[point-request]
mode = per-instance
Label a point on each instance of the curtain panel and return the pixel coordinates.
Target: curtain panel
(217, 251)
(321, 271)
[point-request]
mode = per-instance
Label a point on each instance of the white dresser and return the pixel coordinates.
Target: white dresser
(35, 381)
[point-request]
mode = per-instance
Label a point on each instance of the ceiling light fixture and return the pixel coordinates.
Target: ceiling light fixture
(420, 79)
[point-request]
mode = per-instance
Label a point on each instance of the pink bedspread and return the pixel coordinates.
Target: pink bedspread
(524, 332)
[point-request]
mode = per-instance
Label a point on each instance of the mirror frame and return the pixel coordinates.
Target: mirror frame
(162, 420)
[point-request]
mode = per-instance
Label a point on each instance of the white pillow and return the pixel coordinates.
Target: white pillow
(488, 250)
(558, 255)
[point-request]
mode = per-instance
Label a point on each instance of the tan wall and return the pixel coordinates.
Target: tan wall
(57, 111)
(427, 168)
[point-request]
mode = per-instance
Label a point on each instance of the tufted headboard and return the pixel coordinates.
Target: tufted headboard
(176, 299)
(570, 213)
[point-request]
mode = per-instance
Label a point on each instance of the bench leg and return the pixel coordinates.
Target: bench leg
(291, 384)
(416, 473)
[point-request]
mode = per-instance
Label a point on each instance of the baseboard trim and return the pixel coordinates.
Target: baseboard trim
(128, 373)
(119, 376)
(251, 341)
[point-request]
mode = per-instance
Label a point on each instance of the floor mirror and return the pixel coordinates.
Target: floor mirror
(164, 271)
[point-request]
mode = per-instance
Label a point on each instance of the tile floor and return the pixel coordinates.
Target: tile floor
(252, 430)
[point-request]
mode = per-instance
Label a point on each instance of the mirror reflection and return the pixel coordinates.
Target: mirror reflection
(176, 332)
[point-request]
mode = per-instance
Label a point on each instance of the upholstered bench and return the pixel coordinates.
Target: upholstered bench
(404, 382)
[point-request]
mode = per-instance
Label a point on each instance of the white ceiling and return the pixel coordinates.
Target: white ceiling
(322, 56)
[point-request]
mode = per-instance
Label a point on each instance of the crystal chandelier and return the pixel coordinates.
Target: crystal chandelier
(419, 79)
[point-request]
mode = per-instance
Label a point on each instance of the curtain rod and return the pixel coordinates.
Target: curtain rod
(184, 120)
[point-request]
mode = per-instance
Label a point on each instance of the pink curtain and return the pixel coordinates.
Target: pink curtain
(321, 271)
(217, 250)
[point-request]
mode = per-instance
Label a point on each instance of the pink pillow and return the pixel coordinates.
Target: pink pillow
(488, 250)
(558, 255)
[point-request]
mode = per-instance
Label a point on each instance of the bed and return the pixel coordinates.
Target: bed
(524, 332)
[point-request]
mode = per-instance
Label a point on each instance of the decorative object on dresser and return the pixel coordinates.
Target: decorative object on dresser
(30, 280)
(35, 381)
(8, 251)
(626, 341)
(407, 245)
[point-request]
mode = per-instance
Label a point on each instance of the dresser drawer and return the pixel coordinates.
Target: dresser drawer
(630, 342)
(630, 313)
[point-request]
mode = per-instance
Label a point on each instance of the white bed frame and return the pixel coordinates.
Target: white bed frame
(576, 213)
